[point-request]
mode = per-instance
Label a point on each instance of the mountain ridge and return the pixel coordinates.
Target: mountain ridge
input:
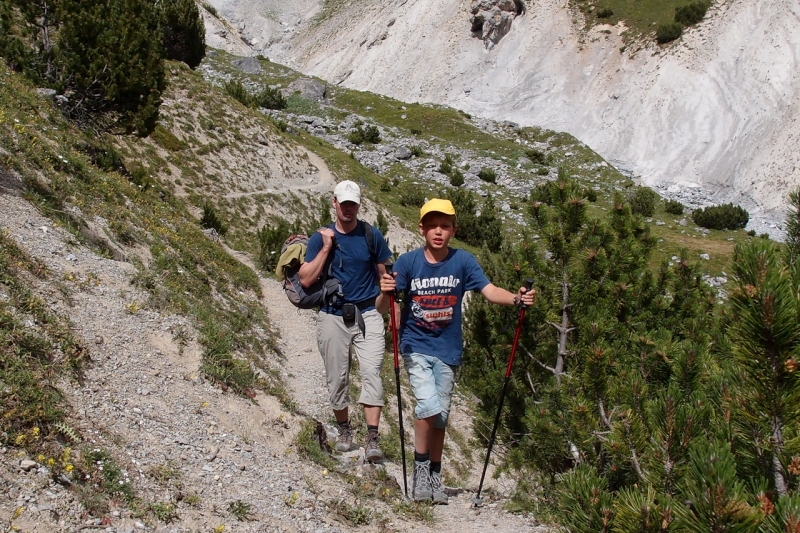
(716, 110)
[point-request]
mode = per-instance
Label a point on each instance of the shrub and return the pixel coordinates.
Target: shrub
(182, 31)
(537, 156)
(668, 31)
(382, 223)
(590, 194)
(673, 207)
(643, 201)
(417, 151)
(605, 13)
(386, 184)
(167, 139)
(412, 197)
(270, 240)
(281, 125)
(752, 233)
(235, 89)
(691, 14)
(726, 216)
(356, 137)
(106, 54)
(211, 9)
(488, 175)
(210, 220)
(416, 132)
(541, 193)
(370, 134)
(456, 178)
(445, 167)
(270, 98)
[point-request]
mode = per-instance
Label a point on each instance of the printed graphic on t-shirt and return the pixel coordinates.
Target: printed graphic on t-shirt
(433, 312)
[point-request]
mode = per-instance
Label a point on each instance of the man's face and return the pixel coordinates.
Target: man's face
(346, 211)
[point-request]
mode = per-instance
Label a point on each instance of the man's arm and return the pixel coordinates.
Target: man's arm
(310, 271)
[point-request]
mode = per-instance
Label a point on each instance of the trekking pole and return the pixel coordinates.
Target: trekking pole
(397, 380)
(477, 501)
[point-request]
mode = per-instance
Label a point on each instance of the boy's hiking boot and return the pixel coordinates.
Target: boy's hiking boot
(372, 452)
(422, 490)
(439, 495)
(345, 441)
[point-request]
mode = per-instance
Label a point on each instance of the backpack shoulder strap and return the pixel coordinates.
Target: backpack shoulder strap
(369, 234)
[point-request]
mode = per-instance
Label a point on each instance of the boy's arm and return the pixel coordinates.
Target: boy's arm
(498, 295)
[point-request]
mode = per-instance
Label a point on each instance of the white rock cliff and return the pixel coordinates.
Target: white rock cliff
(717, 109)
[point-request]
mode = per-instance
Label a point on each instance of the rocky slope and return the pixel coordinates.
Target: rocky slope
(716, 111)
(180, 440)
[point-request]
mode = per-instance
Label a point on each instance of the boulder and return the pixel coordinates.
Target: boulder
(491, 19)
(250, 65)
(309, 89)
(403, 153)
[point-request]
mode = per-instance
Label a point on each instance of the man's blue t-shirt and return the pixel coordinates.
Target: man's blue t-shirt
(356, 270)
(431, 319)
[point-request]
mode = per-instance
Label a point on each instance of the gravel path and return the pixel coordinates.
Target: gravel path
(147, 404)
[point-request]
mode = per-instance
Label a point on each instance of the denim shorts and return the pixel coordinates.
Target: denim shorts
(432, 384)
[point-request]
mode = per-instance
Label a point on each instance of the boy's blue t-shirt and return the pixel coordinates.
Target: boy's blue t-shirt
(357, 271)
(431, 319)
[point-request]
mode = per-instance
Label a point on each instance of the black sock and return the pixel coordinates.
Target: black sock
(372, 429)
(421, 457)
(345, 424)
(436, 467)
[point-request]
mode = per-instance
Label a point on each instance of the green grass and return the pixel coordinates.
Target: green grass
(29, 336)
(187, 273)
(641, 16)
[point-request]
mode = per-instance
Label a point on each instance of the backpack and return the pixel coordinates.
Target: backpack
(327, 288)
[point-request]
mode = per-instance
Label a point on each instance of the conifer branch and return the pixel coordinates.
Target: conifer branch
(529, 354)
(634, 456)
(606, 419)
(530, 382)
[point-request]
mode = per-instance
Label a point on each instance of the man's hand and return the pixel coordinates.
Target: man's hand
(328, 236)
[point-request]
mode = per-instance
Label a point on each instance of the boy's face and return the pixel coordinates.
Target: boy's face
(438, 229)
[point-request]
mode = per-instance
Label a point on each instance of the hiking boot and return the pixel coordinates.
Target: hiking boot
(439, 495)
(372, 452)
(345, 441)
(421, 490)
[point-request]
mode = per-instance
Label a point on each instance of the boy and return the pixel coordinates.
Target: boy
(435, 279)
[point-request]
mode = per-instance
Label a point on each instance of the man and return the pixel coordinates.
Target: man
(352, 319)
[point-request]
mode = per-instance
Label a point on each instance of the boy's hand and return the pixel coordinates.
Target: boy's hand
(526, 297)
(388, 283)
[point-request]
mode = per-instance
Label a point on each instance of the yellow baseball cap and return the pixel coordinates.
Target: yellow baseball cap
(436, 205)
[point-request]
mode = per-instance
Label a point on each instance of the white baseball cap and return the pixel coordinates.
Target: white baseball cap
(347, 191)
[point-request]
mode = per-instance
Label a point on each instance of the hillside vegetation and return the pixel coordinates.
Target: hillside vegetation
(643, 400)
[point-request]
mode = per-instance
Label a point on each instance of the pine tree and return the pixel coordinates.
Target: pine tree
(27, 29)
(110, 62)
(766, 350)
(614, 365)
(182, 30)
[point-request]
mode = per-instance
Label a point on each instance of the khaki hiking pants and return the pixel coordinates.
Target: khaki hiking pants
(334, 339)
